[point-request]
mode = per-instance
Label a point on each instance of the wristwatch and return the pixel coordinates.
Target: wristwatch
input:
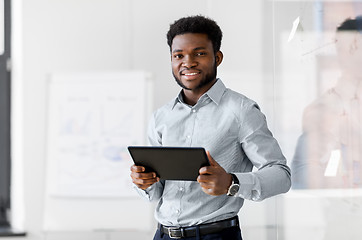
(234, 187)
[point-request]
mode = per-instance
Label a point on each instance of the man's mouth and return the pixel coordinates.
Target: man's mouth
(190, 74)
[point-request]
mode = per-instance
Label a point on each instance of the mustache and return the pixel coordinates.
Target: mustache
(189, 69)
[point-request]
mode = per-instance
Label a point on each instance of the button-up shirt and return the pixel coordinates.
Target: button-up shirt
(233, 129)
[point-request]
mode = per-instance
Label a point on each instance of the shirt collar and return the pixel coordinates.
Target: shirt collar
(214, 93)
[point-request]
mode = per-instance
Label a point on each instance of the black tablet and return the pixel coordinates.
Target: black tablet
(170, 163)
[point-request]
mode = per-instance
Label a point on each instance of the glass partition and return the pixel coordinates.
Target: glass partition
(317, 74)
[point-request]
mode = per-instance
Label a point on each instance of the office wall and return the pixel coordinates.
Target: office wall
(65, 36)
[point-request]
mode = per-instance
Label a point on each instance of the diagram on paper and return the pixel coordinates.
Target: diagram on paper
(91, 123)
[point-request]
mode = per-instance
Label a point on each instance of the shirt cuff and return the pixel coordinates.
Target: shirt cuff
(249, 186)
(143, 193)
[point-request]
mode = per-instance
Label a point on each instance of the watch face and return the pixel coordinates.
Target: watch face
(233, 189)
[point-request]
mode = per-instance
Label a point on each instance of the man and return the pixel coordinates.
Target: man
(328, 153)
(228, 125)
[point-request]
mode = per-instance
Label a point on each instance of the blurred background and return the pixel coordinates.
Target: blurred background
(80, 79)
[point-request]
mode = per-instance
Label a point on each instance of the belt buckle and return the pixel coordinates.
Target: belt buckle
(175, 232)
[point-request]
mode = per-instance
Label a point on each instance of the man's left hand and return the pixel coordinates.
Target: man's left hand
(214, 180)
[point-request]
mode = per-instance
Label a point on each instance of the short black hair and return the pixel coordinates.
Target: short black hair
(351, 25)
(196, 24)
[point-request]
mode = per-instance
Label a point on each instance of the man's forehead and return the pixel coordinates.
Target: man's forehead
(346, 35)
(193, 40)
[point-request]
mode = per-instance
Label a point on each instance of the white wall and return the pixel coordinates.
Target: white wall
(57, 36)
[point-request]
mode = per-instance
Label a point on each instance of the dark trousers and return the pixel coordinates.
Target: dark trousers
(232, 233)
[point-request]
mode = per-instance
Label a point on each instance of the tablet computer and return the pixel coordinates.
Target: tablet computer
(170, 163)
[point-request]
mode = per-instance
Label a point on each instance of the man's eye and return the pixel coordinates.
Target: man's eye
(200, 54)
(178, 56)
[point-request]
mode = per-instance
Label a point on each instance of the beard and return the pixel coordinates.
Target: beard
(206, 80)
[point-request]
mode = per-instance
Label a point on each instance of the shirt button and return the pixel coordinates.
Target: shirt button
(188, 136)
(181, 189)
(177, 211)
(193, 110)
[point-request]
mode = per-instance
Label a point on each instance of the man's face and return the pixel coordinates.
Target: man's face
(193, 61)
(349, 49)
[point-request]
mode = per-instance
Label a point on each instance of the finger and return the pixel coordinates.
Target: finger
(204, 178)
(203, 170)
(135, 168)
(208, 191)
(206, 185)
(205, 190)
(211, 159)
(207, 170)
(144, 182)
(150, 175)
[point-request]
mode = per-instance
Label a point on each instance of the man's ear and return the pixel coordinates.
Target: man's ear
(218, 57)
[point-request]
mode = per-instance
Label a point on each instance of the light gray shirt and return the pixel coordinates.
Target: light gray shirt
(234, 130)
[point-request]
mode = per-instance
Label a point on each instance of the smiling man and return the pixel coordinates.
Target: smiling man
(228, 125)
(194, 64)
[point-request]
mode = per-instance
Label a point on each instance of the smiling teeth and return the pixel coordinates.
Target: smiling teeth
(190, 74)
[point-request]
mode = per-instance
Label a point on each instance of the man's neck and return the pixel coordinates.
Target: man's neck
(192, 96)
(349, 85)
(190, 99)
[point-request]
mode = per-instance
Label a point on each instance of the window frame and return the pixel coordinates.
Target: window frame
(5, 110)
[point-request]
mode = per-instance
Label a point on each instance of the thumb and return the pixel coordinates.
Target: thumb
(211, 160)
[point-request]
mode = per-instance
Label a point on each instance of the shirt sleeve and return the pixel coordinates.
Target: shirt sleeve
(263, 151)
(153, 192)
(154, 137)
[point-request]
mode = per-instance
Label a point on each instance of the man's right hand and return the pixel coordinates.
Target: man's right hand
(141, 178)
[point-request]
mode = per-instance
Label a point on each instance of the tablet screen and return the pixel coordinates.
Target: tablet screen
(170, 163)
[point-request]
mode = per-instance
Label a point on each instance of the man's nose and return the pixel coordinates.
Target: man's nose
(189, 62)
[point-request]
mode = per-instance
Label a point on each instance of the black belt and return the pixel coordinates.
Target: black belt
(208, 228)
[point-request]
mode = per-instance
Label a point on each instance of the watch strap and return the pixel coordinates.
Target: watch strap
(235, 179)
(234, 187)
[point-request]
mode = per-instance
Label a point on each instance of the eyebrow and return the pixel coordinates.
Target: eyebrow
(195, 49)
